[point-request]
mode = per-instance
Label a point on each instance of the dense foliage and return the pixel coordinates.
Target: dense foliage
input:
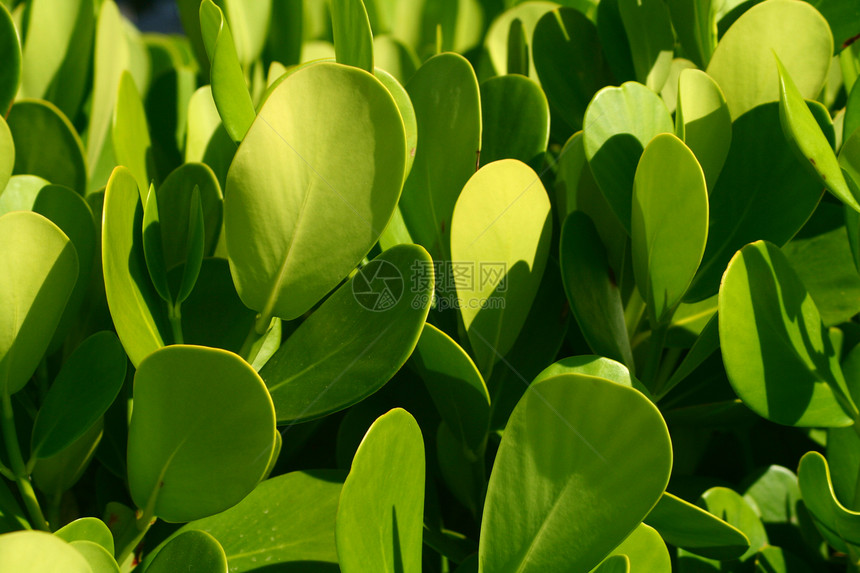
(457, 286)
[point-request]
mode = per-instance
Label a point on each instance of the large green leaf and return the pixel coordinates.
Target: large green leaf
(743, 64)
(573, 476)
(703, 122)
(132, 146)
(10, 55)
(38, 551)
(353, 38)
(40, 267)
(652, 41)
(381, 511)
(500, 235)
(136, 309)
(619, 123)
(570, 61)
(696, 26)
(228, 82)
(192, 551)
(669, 224)
(687, 526)
(456, 386)
(47, 145)
(515, 120)
(356, 340)
(831, 516)
(86, 386)
(304, 204)
(763, 193)
(201, 432)
(809, 142)
(447, 103)
(592, 291)
(777, 353)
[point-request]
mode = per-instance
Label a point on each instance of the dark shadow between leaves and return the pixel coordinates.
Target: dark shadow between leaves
(614, 167)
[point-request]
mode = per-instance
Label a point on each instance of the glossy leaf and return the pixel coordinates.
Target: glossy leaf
(732, 508)
(831, 516)
(570, 61)
(132, 146)
(456, 386)
(777, 353)
(515, 120)
(685, 525)
(743, 63)
(696, 26)
(40, 267)
(228, 82)
(776, 495)
(191, 451)
(496, 40)
(7, 154)
(356, 340)
(407, 114)
(87, 385)
(619, 123)
(703, 122)
(597, 366)
(135, 306)
(652, 41)
(100, 560)
(299, 213)
(380, 515)
(353, 38)
(47, 145)
(87, 529)
(645, 550)
(21, 193)
(500, 232)
(552, 462)
(592, 291)
(193, 551)
(10, 54)
(39, 551)
(669, 224)
(447, 103)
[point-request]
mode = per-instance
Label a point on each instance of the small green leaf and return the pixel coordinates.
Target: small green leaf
(645, 550)
(87, 529)
(201, 433)
(832, 518)
(596, 366)
(194, 248)
(10, 55)
(515, 119)
(381, 511)
(518, 49)
(669, 224)
(776, 495)
(738, 513)
(132, 146)
(356, 340)
(39, 551)
(192, 551)
(696, 26)
(778, 355)
(58, 473)
(353, 38)
(496, 40)
(100, 560)
(7, 154)
(40, 267)
(153, 249)
(652, 41)
(552, 464)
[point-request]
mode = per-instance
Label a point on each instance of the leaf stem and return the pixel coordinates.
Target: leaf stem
(174, 315)
(655, 353)
(19, 469)
(132, 536)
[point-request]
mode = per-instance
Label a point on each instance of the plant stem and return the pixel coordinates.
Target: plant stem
(174, 315)
(655, 352)
(132, 536)
(54, 506)
(19, 469)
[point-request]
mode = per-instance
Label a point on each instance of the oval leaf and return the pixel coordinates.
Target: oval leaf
(39, 551)
(353, 39)
(192, 551)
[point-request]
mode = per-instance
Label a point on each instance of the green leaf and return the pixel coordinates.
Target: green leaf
(743, 64)
(407, 114)
(447, 103)
(613, 37)
(669, 224)
(40, 267)
(763, 193)
(645, 551)
(295, 515)
(134, 304)
(592, 290)
(696, 26)
(570, 61)
(353, 38)
(778, 356)
(705, 344)
(87, 529)
(132, 146)
(652, 41)
(39, 551)
(57, 474)
(735, 510)
(518, 49)
(852, 114)
(86, 386)
(381, 511)
(395, 57)
(613, 564)
(496, 40)
(201, 432)
(228, 82)
(456, 386)
(619, 123)
(515, 119)
(776, 495)
(500, 235)
(100, 560)
(192, 551)
(832, 518)
(194, 247)
(687, 526)
(551, 466)
(844, 20)
(21, 193)
(596, 366)
(356, 340)
(10, 54)
(807, 140)
(7, 154)
(299, 213)
(776, 559)
(153, 247)
(703, 122)
(47, 145)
